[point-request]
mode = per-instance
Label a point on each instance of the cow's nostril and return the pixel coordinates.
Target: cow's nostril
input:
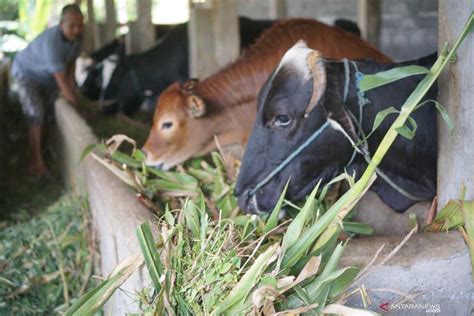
(237, 190)
(145, 152)
(248, 203)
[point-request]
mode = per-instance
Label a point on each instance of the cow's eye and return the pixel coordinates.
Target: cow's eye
(166, 125)
(282, 120)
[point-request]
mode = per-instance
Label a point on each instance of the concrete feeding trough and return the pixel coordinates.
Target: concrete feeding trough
(115, 211)
(432, 272)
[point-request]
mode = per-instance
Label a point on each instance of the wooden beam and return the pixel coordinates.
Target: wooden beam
(368, 19)
(456, 93)
(214, 36)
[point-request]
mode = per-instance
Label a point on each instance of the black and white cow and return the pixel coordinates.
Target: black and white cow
(147, 74)
(93, 71)
(90, 69)
(306, 92)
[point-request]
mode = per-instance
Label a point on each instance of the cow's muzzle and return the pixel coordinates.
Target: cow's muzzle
(249, 203)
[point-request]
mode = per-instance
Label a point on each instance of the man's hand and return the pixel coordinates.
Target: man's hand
(66, 86)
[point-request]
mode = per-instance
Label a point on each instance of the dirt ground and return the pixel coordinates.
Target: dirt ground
(22, 196)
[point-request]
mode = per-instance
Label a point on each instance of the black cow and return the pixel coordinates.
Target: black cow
(147, 74)
(306, 92)
(89, 69)
(348, 26)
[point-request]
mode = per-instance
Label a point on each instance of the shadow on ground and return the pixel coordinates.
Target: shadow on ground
(21, 195)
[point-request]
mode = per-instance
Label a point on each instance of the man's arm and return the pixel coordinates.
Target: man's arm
(66, 85)
(71, 74)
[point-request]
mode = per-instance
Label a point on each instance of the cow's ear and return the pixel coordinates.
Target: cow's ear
(343, 118)
(318, 73)
(196, 106)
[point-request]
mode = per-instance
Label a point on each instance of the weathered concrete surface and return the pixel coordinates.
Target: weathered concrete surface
(115, 209)
(434, 267)
(386, 222)
(409, 29)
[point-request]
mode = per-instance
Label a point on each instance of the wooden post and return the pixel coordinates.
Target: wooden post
(110, 21)
(214, 36)
(456, 93)
(92, 33)
(368, 19)
(277, 9)
(4, 82)
(144, 26)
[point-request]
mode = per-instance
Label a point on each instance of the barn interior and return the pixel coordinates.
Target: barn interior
(66, 233)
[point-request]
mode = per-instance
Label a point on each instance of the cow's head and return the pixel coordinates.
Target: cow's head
(180, 130)
(94, 73)
(297, 99)
(88, 75)
(83, 63)
(95, 79)
(121, 90)
(112, 80)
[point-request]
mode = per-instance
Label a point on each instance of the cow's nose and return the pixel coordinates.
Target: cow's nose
(145, 152)
(244, 204)
(248, 203)
(238, 190)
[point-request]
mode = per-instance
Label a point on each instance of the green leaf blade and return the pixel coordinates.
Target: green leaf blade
(150, 253)
(373, 81)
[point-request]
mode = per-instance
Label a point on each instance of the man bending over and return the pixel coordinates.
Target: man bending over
(45, 65)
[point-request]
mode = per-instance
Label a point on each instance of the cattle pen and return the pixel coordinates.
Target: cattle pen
(142, 229)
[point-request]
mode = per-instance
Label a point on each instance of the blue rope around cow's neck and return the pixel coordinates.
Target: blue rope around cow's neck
(361, 99)
(289, 158)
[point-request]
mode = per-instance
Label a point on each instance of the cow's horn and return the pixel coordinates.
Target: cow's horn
(196, 106)
(189, 85)
(318, 73)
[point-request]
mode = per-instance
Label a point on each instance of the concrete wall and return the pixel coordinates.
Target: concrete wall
(409, 28)
(429, 275)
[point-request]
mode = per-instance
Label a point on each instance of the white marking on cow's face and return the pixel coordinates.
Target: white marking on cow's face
(296, 59)
(82, 63)
(109, 65)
